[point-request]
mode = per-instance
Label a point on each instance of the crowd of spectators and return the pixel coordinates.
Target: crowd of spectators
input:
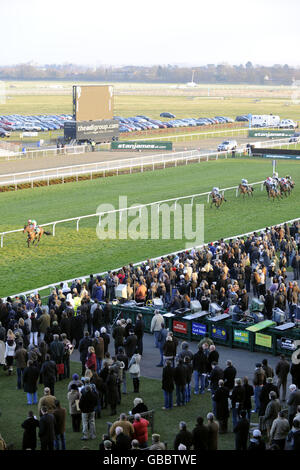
(38, 339)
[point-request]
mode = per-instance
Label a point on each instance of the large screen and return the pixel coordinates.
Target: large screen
(93, 102)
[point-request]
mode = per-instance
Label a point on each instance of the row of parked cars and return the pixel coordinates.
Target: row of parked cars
(16, 122)
(140, 122)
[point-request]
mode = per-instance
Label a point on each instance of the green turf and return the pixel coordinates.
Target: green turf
(70, 254)
(14, 411)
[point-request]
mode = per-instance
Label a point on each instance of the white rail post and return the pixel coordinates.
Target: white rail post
(77, 224)
(2, 236)
(53, 231)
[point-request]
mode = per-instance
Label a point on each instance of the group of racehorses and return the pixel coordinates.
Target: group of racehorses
(276, 188)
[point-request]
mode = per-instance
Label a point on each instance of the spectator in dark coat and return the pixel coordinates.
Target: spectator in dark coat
(295, 373)
(46, 432)
(118, 335)
(241, 431)
(189, 373)
(184, 437)
(106, 338)
(30, 379)
(229, 375)
(200, 367)
(213, 356)
(282, 369)
(130, 344)
(168, 385)
(139, 406)
(180, 379)
(112, 391)
(220, 397)
(65, 325)
(293, 438)
(264, 394)
(200, 435)
(123, 442)
(30, 426)
(139, 328)
(83, 348)
(237, 400)
(249, 392)
(48, 374)
(256, 441)
(77, 325)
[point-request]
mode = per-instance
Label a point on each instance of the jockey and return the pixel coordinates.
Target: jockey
(216, 191)
(245, 183)
(33, 223)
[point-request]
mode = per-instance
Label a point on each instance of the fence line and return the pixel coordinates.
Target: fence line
(75, 171)
(82, 278)
(139, 206)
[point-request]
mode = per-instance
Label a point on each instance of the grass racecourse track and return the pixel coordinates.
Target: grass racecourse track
(72, 254)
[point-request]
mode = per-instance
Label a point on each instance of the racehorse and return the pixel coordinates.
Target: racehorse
(217, 200)
(246, 190)
(32, 235)
(274, 194)
(285, 188)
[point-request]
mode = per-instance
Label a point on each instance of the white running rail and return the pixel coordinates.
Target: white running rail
(51, 286)
(75, 171)
(140, 206)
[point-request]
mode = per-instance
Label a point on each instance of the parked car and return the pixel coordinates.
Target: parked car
(227, 145)
(288, 124)
(4, 133)
(167, 115)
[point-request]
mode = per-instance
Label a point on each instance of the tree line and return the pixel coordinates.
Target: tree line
(211, 73)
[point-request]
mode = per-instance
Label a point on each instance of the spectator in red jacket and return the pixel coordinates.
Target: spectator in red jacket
(141, 430)
(91, 361)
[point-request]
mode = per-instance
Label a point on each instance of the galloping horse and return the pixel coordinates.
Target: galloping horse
(217, 200)
(33, 236)
(274, 194)
(285, 188)
(246, 190)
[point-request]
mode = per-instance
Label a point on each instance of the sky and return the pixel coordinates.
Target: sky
(136, 32)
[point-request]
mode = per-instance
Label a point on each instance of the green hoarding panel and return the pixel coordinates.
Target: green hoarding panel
(284, 157)
(271, 134)
(140, 145)
(260, 326)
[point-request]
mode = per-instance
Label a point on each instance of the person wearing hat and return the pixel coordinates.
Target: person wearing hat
(75, 380)
(256, 441)
(73, 399)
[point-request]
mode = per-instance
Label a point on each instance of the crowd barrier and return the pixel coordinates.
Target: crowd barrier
(265, 336)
